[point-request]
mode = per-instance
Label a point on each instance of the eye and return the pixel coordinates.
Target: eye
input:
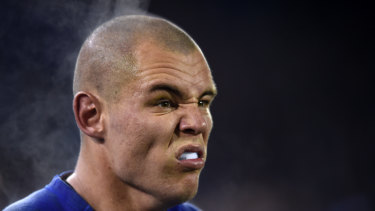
(165, 104)
(203, 103)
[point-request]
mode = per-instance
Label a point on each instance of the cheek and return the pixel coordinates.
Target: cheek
(139, 135)
(142, 149)
(152, 148)
(209, 122)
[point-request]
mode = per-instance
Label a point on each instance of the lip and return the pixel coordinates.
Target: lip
(191, 164)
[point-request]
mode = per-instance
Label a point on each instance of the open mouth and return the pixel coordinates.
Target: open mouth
(190, 153)
(188, 156)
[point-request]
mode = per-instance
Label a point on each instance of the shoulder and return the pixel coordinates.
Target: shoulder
(38, 201)
(185, 207)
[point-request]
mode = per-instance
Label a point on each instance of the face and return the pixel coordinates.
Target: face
(157, 132)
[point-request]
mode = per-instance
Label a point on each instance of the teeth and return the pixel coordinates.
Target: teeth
(188, 156)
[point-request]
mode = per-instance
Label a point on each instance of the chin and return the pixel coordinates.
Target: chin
(185, 190)
(181, 197)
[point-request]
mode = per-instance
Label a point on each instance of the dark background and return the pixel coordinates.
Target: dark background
(294, 118)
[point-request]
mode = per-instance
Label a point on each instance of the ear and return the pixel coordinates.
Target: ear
(88, 115)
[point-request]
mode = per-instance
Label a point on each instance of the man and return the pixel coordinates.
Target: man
(142, 91)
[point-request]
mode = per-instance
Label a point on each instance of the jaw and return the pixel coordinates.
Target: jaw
(166, 182)
(168, 194)
(186, 187)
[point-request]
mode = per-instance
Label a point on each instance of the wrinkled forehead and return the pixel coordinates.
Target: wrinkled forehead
(151, 53)
(157, 65)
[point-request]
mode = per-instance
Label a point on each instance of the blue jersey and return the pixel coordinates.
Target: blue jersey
(60, 196)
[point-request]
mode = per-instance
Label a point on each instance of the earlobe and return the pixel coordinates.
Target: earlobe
(88, 115)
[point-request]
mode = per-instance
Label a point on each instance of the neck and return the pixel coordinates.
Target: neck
(94, 181)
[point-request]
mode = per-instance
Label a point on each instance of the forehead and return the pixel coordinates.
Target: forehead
(187, 71)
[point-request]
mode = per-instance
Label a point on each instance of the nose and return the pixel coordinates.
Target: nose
(193, 120)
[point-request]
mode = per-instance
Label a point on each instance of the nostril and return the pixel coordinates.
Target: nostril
(192, 122)
(189, 131)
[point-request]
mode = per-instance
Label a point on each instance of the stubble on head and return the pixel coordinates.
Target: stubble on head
(107, 66)
(107, 60)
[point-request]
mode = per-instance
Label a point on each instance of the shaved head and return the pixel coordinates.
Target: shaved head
(142, 96)
(107, 58)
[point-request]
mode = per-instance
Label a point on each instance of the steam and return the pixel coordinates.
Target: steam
(42, 39)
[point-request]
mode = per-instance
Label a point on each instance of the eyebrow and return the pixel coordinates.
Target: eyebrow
(168, 88)
(209, 93)
(175, 91)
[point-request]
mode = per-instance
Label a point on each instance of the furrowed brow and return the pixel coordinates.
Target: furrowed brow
(174, 90)
(167, 88)
(211, 93)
